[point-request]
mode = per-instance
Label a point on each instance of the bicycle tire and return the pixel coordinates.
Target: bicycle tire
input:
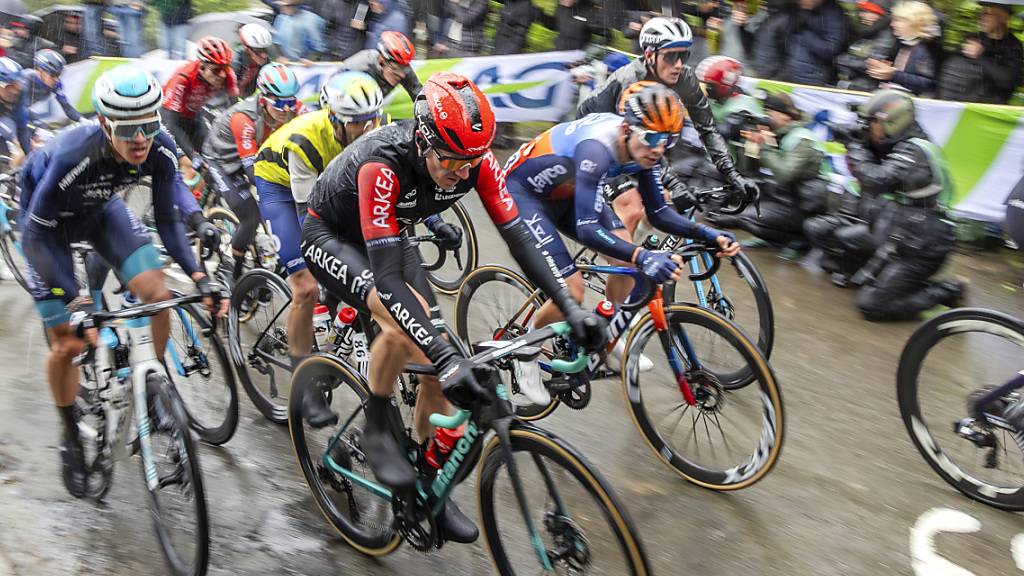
(770, 438)
(450, 286)
(542, 444)
(320, 366)
(471, 287)
(211, 431)
(927, 336)
(11, 255)
(159, 387)
(254, 281)
(765, 336)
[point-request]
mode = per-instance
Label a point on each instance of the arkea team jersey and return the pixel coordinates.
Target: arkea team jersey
(236, 136)
(570, 162)
(75, 174)
(186, 92)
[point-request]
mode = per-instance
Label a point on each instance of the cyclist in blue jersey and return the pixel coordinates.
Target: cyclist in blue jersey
(14, 130)
(70, 190)
(43, 80)
(557, 180)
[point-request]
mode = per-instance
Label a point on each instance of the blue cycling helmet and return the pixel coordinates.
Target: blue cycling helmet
(49, 61)
(277, 80)
(126, 92)
(10, 71)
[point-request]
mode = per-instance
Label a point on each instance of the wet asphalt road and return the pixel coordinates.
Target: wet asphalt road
(842, 500)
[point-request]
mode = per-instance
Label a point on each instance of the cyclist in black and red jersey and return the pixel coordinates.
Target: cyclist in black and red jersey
(353, 243)
(236, 136)
(188, 90)
(388, 64)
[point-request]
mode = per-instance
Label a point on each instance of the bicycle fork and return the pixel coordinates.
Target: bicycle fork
(657, 309)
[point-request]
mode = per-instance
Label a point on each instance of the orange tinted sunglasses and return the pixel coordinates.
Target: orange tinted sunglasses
(458, 164)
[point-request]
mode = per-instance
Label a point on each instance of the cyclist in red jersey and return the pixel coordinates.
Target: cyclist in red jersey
(353, 241)
(188, 90)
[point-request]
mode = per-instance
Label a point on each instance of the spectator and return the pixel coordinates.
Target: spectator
(129, 14)
(635, 21)
(70, 38)
(577, 22)
(253, 52)
(343, 33)
(386, 15)
(873, 39)
(913, 67)
(733, 38)
(174, 16)
(768, 29)
(111, 44)
(817, 35)
(998, 52)
(463, 28)
(709, 13)
(516, 18)
(298, 33)
(92, 26)
(25, 40)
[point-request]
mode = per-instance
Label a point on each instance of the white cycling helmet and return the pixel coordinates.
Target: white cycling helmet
(126, 92)
(255, 36)
(351, 97)
(663, 32)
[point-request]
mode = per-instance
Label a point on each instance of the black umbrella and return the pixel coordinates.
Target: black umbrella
(53, 19)
(223, 25)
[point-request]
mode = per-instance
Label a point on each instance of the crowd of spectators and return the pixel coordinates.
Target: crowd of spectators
(863, 46)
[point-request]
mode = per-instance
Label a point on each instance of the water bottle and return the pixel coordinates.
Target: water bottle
(321, 326)
(441, 445)
(343, 330)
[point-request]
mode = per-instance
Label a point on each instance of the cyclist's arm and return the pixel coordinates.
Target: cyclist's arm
(538, 264)
(301, 176)
(379, 190)
(172, 123)
(665, 217)
(411, 83)
(244, 132)
(592, 163)
(171, 196)
(699, 110)
(231, 84)
(24, 132)
(62, 99)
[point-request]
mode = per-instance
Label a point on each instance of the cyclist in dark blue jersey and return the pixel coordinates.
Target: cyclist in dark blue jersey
(70, 192)
(14, 130)
(557, 180)
(43, 81)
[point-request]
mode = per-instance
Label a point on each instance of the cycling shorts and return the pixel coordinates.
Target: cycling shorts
(277, 205)
(115, 234)
(545, 218)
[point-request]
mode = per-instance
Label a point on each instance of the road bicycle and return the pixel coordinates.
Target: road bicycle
(10, 237)
(684, 400)
(129, 406)
(542, 506)
(957, 375)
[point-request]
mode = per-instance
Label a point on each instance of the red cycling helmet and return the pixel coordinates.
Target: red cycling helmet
(454, 116)
(214, 50)
(394, 46)
(720, 74)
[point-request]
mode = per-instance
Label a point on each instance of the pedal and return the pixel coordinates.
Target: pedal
(968, 430)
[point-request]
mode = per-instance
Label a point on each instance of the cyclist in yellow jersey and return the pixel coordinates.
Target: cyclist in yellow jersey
(287, 165)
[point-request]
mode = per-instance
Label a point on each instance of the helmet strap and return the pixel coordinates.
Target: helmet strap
(422, 146)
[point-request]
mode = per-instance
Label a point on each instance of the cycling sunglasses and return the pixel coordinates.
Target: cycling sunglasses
(653, 139)
(127, 129)
(671, 58)
(457, 164)
(284, 104)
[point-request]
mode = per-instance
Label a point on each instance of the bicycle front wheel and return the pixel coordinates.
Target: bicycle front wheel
(728, 438)
(258, 341)
(579, 525)
(449, 276)
(13, 258)
(177, 501)
(202, 375)
(948, 361)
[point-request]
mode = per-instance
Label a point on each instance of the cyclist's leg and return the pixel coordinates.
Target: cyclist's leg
(124, 242)
(235, 190)
(278, 207)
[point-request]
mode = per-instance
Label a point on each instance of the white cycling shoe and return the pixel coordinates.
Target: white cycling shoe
(530, 384)
(614, 359)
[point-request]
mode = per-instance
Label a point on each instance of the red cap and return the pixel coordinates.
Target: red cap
(347, 315)
(871, 7)
(606, 309)
(320, 309)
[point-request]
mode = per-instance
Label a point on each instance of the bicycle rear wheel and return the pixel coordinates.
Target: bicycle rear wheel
(497, 303)
(676, 431)
(202, 375)
(258, 341)
(13, 258)
(362, 517)
(949, 359)
(177, 501)
(581, 525)
(449, 277)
